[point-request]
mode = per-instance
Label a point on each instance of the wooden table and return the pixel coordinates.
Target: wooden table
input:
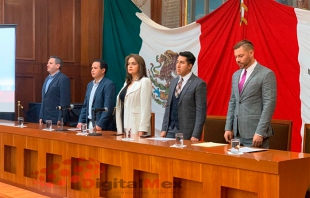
(67, 165)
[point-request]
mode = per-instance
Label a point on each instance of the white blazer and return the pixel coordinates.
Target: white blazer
(137, 107)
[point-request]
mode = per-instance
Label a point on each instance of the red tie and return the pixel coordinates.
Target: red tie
(241, 83)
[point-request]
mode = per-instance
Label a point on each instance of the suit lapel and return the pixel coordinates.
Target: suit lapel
(99, 88)
(256, 69)
(135, 86)
(53, 81)
(172, 86)
(186, 86)
(44, 87)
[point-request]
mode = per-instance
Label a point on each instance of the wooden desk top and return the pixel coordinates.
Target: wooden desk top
(271, 161)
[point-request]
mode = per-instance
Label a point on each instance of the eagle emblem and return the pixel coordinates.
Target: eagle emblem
(161, 73)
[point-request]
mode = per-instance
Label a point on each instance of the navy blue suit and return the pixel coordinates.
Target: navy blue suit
(57, 94)
(104, 97)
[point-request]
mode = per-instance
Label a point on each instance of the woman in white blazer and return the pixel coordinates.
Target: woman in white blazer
(133, 103)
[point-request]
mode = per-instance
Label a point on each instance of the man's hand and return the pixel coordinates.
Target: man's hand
(257, 141)
(163, 134)
(98, 128)
(59, 123)
(194, 139)
(228, 135)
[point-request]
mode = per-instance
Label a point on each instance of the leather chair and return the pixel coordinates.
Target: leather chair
(214, 129)
(306, 148)
(306, 142)
(282, 135)
(152, 124)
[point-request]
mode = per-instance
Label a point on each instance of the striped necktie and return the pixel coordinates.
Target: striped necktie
(178, 88)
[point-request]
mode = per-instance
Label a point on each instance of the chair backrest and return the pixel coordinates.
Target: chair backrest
(74, 114)
(282, 135)
(214, 129)
(306, 143)
(152, 124)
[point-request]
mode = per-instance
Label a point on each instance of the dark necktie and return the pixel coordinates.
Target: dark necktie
(178, 88)
(241, 83)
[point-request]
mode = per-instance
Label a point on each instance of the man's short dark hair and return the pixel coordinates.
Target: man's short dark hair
(57, 61)
(246, 44)
(103, 64)
(190, 58)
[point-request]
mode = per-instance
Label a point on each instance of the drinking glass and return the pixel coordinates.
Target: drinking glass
(179, 140)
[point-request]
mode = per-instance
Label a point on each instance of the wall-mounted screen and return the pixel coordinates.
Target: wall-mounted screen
(7, 68)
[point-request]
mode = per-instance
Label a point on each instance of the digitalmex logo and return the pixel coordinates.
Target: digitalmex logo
(79, 171)
(84, 173)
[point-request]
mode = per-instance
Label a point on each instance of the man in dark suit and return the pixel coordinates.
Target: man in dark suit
(55, 92)
(252, 100)
(187, 102)
(100, 94)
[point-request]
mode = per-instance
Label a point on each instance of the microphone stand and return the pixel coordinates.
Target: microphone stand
(94, 133)
(19, 106)
(62, 122)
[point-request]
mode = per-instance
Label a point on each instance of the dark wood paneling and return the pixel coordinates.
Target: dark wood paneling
(77, 32)
(1, 11)
(29, 81)
(71, 29)
(25, 92)
(61, 29)
(156, 11)
(91, 33)
(85, 79)
(73, 87)
(41, 31)
(21, 12)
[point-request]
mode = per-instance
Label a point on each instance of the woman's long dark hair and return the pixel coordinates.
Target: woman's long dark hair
(142, 67)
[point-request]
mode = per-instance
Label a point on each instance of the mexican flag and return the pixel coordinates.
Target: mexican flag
(281, 38)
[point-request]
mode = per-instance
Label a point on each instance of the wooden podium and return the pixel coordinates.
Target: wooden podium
(67, 165)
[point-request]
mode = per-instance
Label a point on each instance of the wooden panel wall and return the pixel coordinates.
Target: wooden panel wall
(70, 29)
(156, 11)
(22, 13)
(1, 11)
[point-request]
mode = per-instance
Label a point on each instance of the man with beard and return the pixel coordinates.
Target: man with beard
(252, 101)
(55, 92)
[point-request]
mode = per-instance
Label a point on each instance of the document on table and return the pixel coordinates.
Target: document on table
(208, 144)
(7, 123)
(160, 138)
(250, 149)
(74, 129)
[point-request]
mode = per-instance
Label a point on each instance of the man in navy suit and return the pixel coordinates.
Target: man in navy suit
(100, 94)
(55, 92)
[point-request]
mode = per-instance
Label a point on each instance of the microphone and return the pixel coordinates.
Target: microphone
(70, 107)
(100, 109)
